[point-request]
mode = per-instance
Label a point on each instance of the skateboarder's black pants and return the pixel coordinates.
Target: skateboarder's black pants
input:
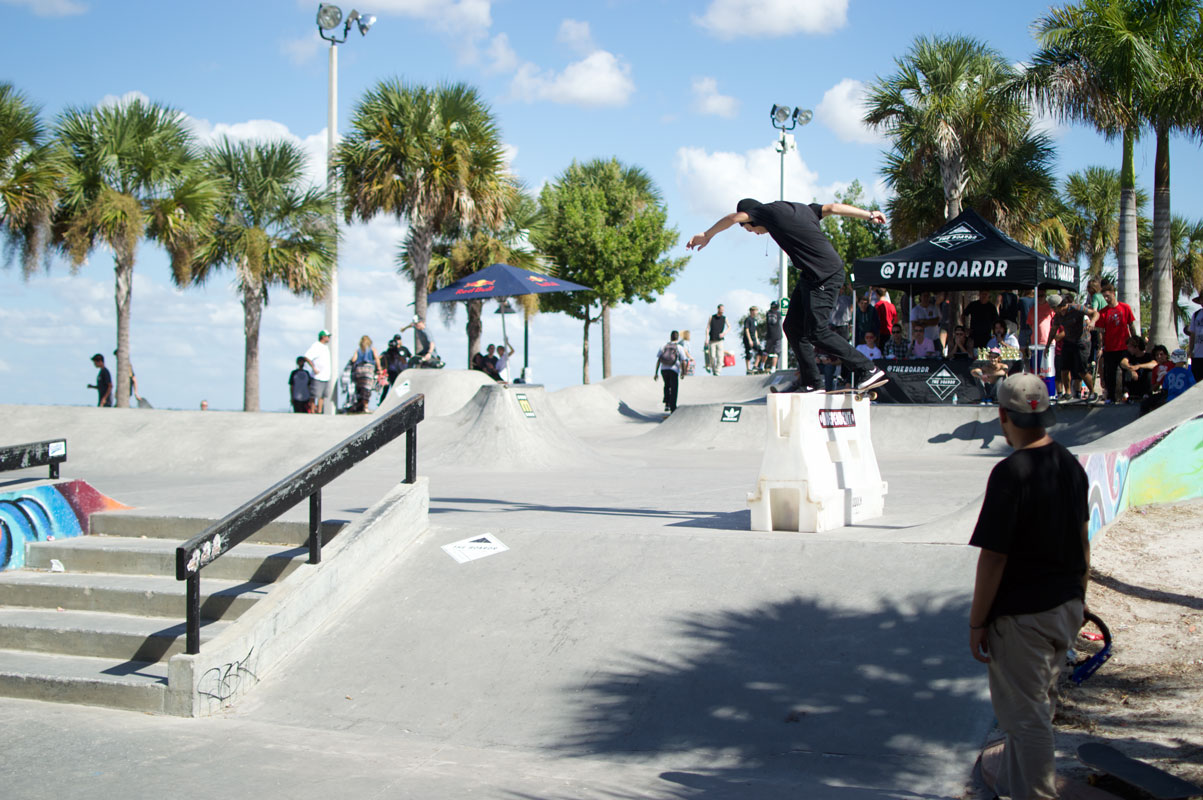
(671, 380)
(807, 326)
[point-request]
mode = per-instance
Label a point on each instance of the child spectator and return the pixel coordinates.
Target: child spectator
(1178, 378)
(869, 348)
(300, 390)
(921, 346)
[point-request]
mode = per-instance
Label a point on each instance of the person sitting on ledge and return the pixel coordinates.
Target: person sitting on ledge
(989, 375)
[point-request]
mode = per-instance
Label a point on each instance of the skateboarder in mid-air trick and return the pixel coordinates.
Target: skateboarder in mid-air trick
(795, 228)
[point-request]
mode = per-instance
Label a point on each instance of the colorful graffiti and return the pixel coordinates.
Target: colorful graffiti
(1166, 468)
(44, 513)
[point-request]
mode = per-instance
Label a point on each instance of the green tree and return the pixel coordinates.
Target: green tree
(130, 171)
(29, 175)
(271, 229)
(1094, 64)
(606, 228)
(1173, 103)
(856, 238)
(945, 108)
(457, 254)
(432, 156)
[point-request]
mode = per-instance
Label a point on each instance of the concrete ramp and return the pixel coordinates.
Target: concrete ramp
(710, 426)
(645, 394)
(504, 428)
(446, 390)
(592, 412)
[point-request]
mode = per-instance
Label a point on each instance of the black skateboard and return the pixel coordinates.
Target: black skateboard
(1157, 782)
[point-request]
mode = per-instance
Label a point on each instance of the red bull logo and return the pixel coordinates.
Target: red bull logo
(475, 287)
(539, 280)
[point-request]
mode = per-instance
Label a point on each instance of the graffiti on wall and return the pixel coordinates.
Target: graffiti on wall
(44, 513)
(1165, 468)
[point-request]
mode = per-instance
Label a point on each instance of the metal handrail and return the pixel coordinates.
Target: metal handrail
(242, 523)
(34, 454)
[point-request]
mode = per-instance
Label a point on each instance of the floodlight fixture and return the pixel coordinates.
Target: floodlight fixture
(328, 16)
(803, 115)
(365, 23)
(780, 115)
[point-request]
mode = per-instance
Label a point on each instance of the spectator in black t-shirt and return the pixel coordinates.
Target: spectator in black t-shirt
(772, 337)
(795, 228)
(1030, 592)
(980, 316)
(750, 337)
(395, 359)
(104, 383)
(716, 329)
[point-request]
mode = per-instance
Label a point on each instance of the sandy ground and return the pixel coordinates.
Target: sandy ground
(1147, 701)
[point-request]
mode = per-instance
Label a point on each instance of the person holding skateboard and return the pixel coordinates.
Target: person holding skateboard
(796, 230)
(1029, 597)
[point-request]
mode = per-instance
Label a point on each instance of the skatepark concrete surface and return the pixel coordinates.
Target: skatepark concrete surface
(636, 640)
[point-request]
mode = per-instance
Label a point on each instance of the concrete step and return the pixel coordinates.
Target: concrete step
(130, 685)
(262, 563)
(96, 634)
(134, 525)
(146, 595)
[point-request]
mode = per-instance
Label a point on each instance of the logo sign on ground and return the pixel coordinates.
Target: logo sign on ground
(959, 236)
(525, 405)
(837, 418)
(943, 383)
(476, 547)
(731, 413)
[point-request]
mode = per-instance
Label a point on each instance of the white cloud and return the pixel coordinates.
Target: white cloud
(501, 56)
(729, 19)
(1047, 123)
(259, 130)
(120, 100)
(842, 109)
(464, 22)
(4, 367)
(302, 49)
(599, 79)
(714, 182)
(707, 99)
(576, 35)
(50, 8)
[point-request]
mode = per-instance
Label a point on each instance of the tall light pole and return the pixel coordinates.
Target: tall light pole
(329, 17)
(785, 119)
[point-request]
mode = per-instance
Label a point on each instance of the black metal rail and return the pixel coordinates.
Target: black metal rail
(34, 454)
(307, 482)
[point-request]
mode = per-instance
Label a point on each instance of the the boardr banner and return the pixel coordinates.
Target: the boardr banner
(965, 253)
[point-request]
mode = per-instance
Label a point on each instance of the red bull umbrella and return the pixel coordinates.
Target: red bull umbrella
(502, 280)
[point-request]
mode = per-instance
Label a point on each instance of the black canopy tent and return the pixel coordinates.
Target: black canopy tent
(965, 253)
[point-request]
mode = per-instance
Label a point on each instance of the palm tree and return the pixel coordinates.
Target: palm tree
(1092, 199)
(459, 253)
(1173, 103)
(432, 156)
(271, 229)
(946, 106)
(1186, 238)
(29, 174)
(130, 171)
(1095, 62)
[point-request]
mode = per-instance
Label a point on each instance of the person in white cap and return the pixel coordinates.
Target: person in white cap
(1029, 596)
(318, 358)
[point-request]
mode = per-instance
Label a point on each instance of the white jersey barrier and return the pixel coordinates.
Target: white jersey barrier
(819, 470)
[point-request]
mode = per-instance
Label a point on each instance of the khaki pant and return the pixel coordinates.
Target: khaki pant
(1026, 655)
(715, 351)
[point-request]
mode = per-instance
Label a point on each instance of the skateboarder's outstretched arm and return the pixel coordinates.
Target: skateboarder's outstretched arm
(700, 240)
(845, 210)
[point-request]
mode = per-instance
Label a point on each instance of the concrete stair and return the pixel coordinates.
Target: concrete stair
(100, 632)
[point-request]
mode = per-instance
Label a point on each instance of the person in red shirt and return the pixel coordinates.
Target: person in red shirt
(887, 315)
(1118, 325)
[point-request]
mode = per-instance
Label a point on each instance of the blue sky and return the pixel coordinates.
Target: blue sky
(681, 89)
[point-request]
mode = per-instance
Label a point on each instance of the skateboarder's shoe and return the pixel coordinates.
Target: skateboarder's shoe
(793, 388)
(868, 379)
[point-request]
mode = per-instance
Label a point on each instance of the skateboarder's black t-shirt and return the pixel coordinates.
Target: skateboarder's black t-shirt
(795, 228)
(1033, 512)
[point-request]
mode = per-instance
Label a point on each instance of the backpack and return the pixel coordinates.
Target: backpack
(669, 355)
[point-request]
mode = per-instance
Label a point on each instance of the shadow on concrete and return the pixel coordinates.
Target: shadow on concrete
(984, 432)
(795, 699)
(1144, 593)
(486, 506)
